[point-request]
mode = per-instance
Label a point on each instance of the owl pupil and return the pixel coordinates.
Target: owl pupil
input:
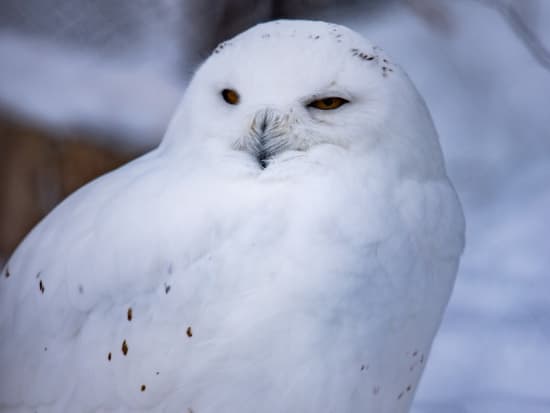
(328, 101)
(230, 96)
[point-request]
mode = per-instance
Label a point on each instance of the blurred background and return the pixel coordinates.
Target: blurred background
(87, 85)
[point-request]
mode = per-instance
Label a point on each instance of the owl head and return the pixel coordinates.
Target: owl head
(289, 90)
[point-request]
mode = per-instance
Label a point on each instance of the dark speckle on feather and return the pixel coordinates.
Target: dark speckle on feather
(189, 332)
(221, 46)
(129, 314)
(109, 356)
(166, 288)
(41, 287)
(143, 387)
(362, 55)
(7, 273)
(124, 348)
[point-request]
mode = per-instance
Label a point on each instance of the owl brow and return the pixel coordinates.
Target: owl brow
(329, 92)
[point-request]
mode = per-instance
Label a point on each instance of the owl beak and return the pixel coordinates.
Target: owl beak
(267, 135)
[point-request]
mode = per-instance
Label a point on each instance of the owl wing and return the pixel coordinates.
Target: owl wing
(104, 251)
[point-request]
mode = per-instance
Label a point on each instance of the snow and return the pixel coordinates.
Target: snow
(126, 102)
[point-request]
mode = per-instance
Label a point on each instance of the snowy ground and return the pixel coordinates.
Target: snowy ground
(491, 103)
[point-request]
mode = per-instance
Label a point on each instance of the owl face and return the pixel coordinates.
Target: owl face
(293, 86)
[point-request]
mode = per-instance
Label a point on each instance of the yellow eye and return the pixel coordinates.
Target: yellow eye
(230, 96)
(328, 103)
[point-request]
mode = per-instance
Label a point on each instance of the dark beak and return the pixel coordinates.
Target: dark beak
(262, 155)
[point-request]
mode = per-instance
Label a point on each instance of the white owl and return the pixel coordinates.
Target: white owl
(290, 247)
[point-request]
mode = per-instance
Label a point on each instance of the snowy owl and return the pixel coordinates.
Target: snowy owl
(290, 246)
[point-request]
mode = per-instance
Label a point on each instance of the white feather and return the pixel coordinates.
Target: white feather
(313, 285)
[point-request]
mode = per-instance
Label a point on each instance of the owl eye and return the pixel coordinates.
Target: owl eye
(328, 103)
(230, 96)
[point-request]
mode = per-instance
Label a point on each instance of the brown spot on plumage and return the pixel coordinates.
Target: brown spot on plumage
(221, 46)
(124, 347)
(362, 55)
(41, 287)
(129, 314)
(143, 387)
(189, 332)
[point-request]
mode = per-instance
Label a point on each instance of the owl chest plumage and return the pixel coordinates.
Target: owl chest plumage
(305, 295)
